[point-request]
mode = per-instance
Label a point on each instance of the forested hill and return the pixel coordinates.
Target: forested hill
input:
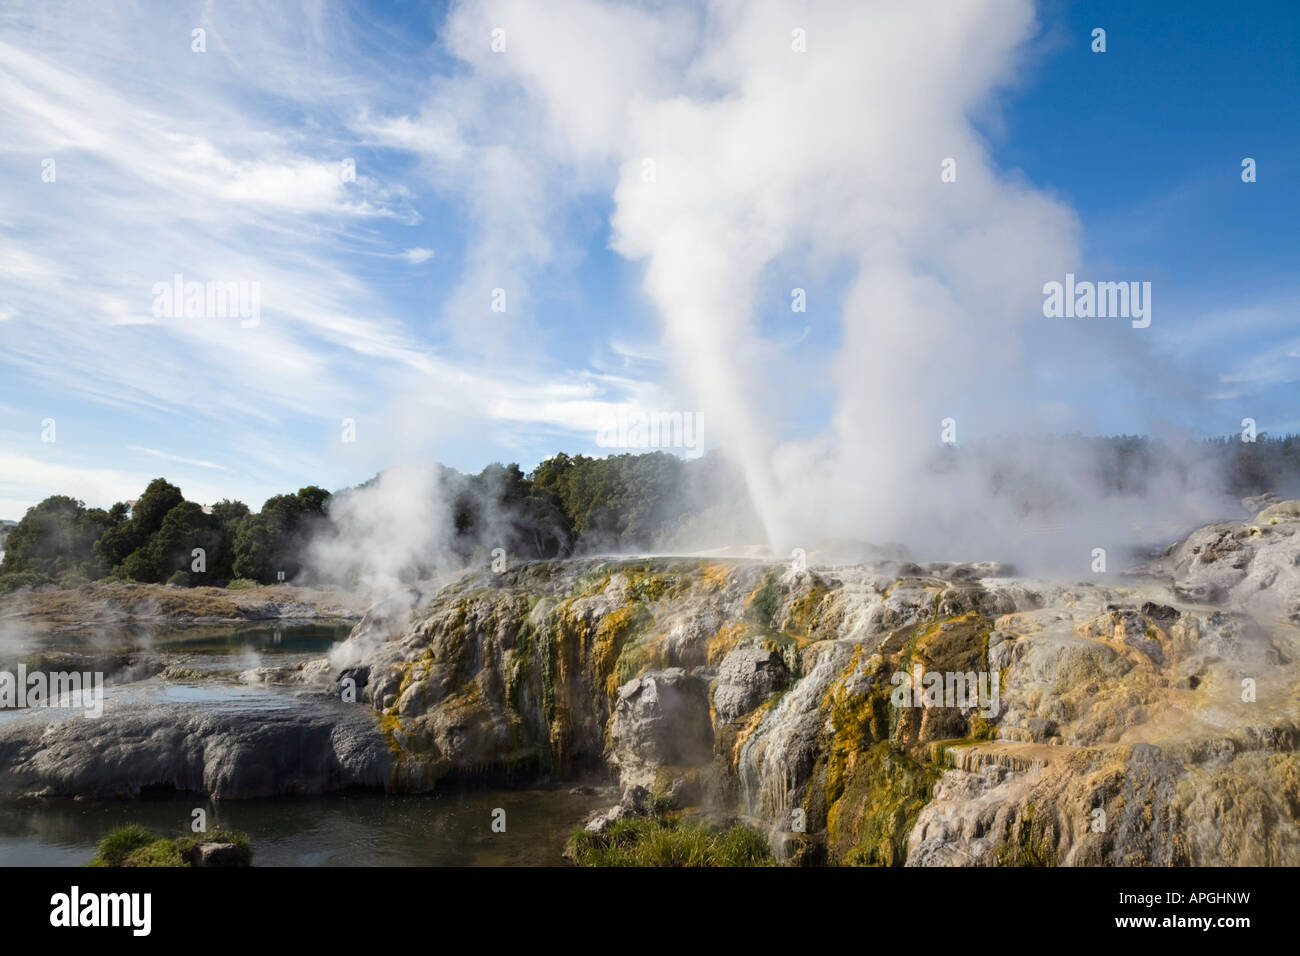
(567, 505)
(623, 502)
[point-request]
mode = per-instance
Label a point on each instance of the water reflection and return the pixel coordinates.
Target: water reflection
(449, 828)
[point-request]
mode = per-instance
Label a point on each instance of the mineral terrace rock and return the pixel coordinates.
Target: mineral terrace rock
(660, 719)
(747, 677)
(310, 748)
(1147, 721)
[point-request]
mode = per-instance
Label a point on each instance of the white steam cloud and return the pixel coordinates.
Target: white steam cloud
(387, 534)
(760, 145)
(839, 149)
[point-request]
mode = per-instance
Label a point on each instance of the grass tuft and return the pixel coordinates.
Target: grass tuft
(659, 841)
(133, 845)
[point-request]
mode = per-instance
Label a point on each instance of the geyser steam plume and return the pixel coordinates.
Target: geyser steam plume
(752, 147)
(755, 147)
(838, 151)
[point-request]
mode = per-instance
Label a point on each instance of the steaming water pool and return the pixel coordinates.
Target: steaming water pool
(449, 828)
(218, 653)
(207, 647)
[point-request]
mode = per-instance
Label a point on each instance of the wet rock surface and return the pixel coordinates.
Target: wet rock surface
(121, 603)
(748, 676)
(889, 712)
(660, 719)
(225, 752)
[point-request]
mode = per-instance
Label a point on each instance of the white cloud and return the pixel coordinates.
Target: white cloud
(203, 176)
(728, 154)
(28, 479)
(196, 462)
(769, 167)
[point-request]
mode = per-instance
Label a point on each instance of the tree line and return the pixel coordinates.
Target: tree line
(163, 538)
(567, 504)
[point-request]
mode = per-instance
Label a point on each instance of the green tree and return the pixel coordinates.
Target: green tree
(56, 538)
(312, 501)
(257, 548)
(620, 501)
(185, 528)
(140, 565)
(228, 515)
(125, 548)
(119, 539)
(159, 498)
(274, 539)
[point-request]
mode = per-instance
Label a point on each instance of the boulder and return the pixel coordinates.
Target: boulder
(312, 747)
(218, 854)
(748, 676)
(1282, 511)
(660, 719)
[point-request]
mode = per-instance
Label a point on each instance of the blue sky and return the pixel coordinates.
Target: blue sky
(478, 170)
(1142, 150)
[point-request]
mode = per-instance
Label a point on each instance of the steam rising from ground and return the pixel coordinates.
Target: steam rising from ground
(839, 150)
(15, 643)
(388, 533)
(739, 163)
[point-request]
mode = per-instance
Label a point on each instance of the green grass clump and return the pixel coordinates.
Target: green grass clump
(157, 853)
(120, 844)
(658, 841)
(241, 584)
(133, 845)
(659, 806)
(742, 846)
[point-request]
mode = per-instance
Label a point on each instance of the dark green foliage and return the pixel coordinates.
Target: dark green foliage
(184, 529)
(60, 541)
(159, 498)
(567, 504)
(616, 502)
(134, 846)
(1267, 464)
(139, 566)
(572, 504)
(501, 508)
(226, 516)
(276, 538)
(127, 548)
(661, 841)
(257, 548)
(55, 538)
(120, 540)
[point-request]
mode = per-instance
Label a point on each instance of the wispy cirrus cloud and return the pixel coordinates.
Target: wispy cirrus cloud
(386, 177)
(251, 162)
(198, 463)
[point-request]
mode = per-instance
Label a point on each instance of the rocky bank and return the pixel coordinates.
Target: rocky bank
(1147, 721)
(120, 603)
